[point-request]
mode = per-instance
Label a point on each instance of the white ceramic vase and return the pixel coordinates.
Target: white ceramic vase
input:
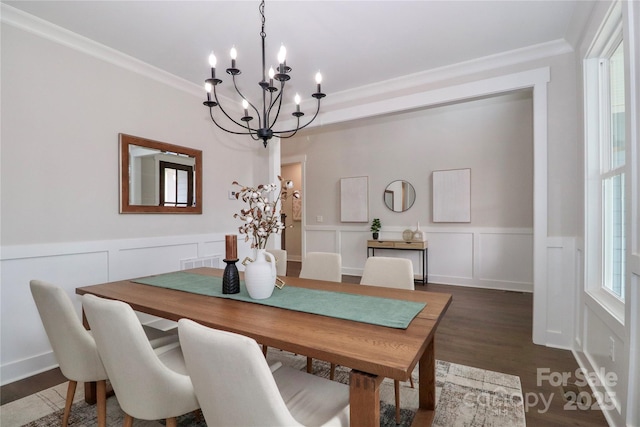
(260, 275)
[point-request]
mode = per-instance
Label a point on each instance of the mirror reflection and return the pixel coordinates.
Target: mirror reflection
(399, 196)
(157, 177)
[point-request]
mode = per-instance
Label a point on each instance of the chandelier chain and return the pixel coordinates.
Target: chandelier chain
(261, 8)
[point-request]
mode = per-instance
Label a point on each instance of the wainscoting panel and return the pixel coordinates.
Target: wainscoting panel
(145, 261)
(506, 257)
(451, 257)
(489, 258)
(25, 349)
(560, 298)
(353, 247)
(611, 382)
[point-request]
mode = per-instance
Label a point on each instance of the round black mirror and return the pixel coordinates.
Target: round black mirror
(399, 196)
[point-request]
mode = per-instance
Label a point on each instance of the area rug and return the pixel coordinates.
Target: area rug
(466, 396)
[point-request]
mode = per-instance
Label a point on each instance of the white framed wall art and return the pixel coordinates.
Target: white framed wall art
(354, 199)
(452, 195)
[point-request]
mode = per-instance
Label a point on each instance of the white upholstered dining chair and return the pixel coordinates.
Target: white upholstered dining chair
(322, 266)
(149, 385)
(74, 346)
(391, 273)
(236, 387)
(388, 272)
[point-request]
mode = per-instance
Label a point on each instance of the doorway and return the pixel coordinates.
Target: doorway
(292, 208)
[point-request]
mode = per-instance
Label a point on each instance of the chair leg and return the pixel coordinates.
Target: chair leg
(101, 402)
(264, 349)
(411, 381)
(332, 371)
(309, 365)
(128, 421)
(172, 422)
(71, 391)
(396, 385)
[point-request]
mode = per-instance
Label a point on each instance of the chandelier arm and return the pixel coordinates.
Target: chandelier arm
(272, 101)
(299, 127)
(227, 130)
(254, 135)
(294, 131)
(250, 103)
(215, 94)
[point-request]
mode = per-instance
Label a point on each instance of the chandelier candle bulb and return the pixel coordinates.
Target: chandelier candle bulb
(282, 57)
(318, 80)
(245, 105)
(212, 62)
(231, 247)
(234, 55)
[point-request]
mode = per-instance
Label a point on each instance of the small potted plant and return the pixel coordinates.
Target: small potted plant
(375, 227)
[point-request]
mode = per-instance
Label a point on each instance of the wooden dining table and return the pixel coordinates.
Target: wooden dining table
(371, 352)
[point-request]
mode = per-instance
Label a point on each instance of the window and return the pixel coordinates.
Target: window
(176, 181)
(612, 145)
(607, 167)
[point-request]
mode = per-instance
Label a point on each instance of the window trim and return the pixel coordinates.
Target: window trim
(597, 165)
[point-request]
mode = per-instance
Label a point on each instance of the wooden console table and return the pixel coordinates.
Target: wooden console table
(402, 245)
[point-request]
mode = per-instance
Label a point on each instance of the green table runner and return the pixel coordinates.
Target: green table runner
(361, 308)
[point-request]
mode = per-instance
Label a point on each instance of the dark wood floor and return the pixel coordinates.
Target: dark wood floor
(483, 328)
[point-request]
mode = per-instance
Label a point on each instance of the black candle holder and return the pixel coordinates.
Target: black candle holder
(230, 277)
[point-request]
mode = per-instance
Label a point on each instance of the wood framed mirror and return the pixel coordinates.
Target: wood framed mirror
(157, 177)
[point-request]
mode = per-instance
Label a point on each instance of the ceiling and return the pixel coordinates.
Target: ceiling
(353, 43)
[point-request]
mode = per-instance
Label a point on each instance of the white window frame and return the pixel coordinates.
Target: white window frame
(596, 129)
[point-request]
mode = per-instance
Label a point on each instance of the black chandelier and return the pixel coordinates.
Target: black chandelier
(270, 104)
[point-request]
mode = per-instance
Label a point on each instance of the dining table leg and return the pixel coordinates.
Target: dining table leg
(364, 399)
(427, 387)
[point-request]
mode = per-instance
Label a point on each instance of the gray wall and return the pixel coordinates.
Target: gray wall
(60, 146)
(491, 136)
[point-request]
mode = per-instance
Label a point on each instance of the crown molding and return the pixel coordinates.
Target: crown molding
(504, 59)
(360, 95)
(45, 29)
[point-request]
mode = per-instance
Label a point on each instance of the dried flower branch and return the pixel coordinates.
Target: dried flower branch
(262, 218)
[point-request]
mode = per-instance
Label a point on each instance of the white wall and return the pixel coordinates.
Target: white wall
(62, 110)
